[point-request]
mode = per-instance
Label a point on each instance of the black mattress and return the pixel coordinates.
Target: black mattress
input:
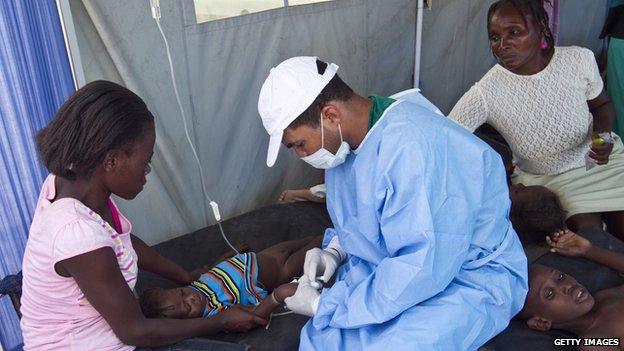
(270, 225)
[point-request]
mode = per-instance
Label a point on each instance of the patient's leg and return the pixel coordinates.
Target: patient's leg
(279, 263)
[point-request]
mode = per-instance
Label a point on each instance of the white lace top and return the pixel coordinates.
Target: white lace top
(544, 117)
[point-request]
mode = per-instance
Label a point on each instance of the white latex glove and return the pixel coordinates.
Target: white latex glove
(319, 191)
(323, 262)
(305, 301)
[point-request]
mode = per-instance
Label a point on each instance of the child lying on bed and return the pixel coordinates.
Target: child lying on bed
(556, 300)
(244, 279)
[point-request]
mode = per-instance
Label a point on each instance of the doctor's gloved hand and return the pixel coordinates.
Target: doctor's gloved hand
(305, 300)
(320, 262)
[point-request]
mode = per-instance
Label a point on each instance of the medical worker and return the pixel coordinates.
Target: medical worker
(424, 254)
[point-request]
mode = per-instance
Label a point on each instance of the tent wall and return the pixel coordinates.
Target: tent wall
(220, 67)
(580, 23)
(456, 52)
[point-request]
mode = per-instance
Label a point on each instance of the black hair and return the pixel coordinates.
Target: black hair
(528, 8)
(336, 89)
(150, 304)
(97, 118)
(534, 219)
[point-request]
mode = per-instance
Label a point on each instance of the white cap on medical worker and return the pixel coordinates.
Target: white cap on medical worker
(290, 89)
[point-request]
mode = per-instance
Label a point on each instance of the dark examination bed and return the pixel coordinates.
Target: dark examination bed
(270, 225)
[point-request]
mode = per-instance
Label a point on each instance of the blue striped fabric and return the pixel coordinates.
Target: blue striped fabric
(35, 79)
(233, 281)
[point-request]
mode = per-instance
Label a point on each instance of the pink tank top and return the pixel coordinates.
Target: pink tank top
(56, 314)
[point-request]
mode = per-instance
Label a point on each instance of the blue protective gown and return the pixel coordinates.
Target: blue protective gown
(433, 262)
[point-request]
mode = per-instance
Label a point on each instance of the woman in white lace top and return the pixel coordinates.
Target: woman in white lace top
(549, 104)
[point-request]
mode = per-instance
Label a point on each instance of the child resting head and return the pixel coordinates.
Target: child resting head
(535, 213)
(256, 281)
(556, 300)
(178, 303)
(186, 302)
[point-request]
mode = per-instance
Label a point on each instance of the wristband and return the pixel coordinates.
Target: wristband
(335, 253)
(274, 299)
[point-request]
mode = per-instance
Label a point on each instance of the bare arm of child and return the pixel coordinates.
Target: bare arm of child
(568, 243)
(275, 300)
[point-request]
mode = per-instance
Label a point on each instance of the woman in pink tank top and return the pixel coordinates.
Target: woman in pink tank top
(81, 260)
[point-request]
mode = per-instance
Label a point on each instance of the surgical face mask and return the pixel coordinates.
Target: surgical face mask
(323, 158)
